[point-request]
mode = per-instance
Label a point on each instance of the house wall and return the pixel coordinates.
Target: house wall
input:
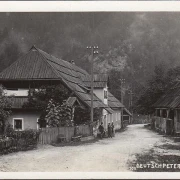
(99, 92)
(108, 118)
(105, 118)
(17, 92)
(29, 118)
(117, 119)
(177, 120)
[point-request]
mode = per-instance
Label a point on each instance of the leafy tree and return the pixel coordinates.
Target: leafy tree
(42, 97)
(58, 115)
(83, 115)
(5, 104)
(159, 83)
(155, 88)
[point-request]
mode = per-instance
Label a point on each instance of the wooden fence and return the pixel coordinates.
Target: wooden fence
(164, 125)
(49, 135)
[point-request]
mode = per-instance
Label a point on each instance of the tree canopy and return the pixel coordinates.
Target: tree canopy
(130, 43)
(5, 105)
(159, 83)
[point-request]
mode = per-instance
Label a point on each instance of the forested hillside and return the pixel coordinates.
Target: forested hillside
(130, 44)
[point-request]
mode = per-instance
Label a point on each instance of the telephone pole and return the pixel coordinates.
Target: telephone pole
(131, 102)
(122, 99)
(94, 50)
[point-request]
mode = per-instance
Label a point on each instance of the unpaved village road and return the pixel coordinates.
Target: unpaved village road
(103, 155)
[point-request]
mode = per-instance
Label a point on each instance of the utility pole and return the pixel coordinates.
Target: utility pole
(131, 102)
(122, 83)
(94, 50)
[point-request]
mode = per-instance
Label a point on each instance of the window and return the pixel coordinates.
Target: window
(105, 94)
(164, 113)
(12, 89)
(18, 124)
(158, 112)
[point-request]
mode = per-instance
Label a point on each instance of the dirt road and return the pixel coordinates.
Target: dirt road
(104, 155)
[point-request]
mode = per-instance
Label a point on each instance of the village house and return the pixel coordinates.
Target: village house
(101, 90)
(37, 68)
(167, 111)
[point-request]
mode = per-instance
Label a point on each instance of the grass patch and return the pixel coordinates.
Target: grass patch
(152, 162)
(170, 146)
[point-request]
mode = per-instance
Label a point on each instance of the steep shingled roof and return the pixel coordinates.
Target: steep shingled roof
(113, 102)
(171, 99)
(37, 64)
(100, 80)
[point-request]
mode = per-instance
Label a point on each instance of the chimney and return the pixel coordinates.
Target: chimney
(72, 62)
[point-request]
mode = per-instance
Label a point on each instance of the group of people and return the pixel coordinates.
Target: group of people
(110, 129)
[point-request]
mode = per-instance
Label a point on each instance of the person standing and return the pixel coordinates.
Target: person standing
(112, 127)
(101, 130)
(109, 131)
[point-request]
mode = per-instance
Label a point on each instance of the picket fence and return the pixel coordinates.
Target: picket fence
(50, 135)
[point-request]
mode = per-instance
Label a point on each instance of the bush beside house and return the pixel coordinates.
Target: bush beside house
(18, 141)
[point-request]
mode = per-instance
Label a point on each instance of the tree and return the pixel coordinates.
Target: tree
(159, 83)
(58, 115)
(5, 104)
(47, 99)
(155, 88)
(82, 115)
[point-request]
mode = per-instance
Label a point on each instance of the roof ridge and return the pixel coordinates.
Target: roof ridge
(54, 70)
(61, 60)
(15, 62)
(62, 78)
(66, 62)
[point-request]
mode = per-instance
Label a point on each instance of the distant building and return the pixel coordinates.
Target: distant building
(37, 68)
(167, 111)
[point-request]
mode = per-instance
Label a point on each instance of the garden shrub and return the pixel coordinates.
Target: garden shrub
(18, 141)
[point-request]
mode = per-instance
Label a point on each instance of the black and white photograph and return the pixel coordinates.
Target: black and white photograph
(90, 91)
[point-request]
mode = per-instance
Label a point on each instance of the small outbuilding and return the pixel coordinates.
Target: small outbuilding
(167, 111)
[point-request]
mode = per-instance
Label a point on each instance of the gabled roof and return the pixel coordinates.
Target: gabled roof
(126, 112)
(71, 101)
(171, 99)
(37, 64)
(113, 102)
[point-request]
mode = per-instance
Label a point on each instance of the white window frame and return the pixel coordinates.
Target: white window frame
(22, 119)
